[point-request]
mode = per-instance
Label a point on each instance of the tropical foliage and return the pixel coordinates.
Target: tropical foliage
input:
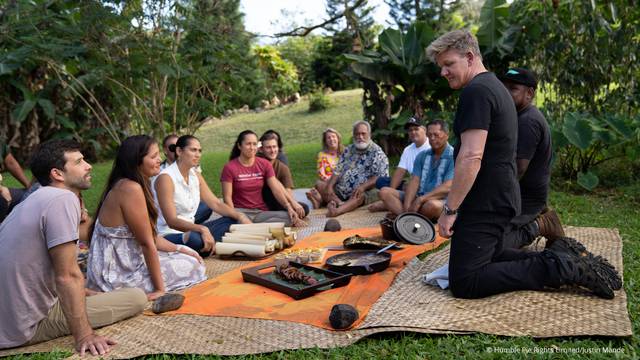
(318, 101)
(586, 55)
(584, 52)
(99, 70)
(302, 52)
(281, 75)
(399, 81)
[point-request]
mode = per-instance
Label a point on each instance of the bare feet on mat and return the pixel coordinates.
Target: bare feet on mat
(377, 206)
(332, 209)
(314, 197)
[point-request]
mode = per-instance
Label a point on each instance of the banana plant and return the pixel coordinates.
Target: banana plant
(399, 81)
(496, 36)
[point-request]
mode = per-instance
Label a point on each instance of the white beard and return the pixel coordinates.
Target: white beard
(362, 145)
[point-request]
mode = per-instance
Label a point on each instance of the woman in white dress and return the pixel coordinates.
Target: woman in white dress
(125, 248)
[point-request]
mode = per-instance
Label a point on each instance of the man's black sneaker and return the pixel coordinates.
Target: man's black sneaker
(577, 270)
(602, 266)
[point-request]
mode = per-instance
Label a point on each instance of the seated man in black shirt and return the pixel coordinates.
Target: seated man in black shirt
(485, 195)
(533, 156)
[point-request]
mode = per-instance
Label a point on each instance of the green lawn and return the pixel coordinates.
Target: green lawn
(617, 208)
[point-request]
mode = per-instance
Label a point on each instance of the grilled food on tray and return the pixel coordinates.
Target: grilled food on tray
(294, 275)
(359, 242)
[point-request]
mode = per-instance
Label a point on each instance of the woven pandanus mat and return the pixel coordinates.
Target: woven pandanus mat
(540, 314)
(359, 218)
(408, 305)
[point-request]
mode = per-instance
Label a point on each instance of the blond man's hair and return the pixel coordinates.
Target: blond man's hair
(460, 40)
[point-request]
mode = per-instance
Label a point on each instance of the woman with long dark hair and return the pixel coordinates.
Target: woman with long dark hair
(125, 249)
(243, 178)
(180, 189)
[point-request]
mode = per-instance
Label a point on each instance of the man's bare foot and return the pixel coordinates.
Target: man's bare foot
(314, 197)
(332, 209)
(377, 206)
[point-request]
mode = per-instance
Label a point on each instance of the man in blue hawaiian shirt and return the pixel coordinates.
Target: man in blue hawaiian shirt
(430, 179)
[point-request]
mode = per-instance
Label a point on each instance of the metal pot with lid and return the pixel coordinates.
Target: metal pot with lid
(409, 227)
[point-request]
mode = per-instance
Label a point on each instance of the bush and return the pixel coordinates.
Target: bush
(318, 101)
(583, 141)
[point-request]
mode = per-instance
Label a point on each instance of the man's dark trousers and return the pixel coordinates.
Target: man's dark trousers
(481, 265)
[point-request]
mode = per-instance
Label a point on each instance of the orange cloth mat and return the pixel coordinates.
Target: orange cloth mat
(229, 295)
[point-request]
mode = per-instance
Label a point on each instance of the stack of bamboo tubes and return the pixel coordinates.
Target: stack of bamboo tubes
(255, 240)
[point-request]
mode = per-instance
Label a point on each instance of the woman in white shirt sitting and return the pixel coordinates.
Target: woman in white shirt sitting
(179, 189)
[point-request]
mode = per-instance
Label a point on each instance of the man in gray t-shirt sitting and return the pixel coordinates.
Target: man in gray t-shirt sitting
(42, 286)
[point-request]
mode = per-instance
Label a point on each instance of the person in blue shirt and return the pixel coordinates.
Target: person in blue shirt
(430, 179)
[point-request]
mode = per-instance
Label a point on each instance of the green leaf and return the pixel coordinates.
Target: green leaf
(633, 153)
(558, 139)
(493, 20)
(402, 118)
(608, 137)
(21, 110)
(359, 58)
(390, 42)
(166, 70)
(373, 72)
(618, 124)
(6, 68)
(47, 107)
(64, 134)
(588, 180)
(26, 93)
(65, 122)
(578, 130)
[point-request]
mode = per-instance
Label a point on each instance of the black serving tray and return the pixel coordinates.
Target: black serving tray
(265, 275)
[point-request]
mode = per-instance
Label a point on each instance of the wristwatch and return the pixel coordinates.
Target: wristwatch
(448, 211)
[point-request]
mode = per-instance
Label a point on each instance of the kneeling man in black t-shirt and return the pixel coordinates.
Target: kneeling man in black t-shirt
(485, 195)
(533, 160)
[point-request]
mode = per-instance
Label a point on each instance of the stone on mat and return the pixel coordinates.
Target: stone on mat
(167, 302)
(332, 225)
(342, 316)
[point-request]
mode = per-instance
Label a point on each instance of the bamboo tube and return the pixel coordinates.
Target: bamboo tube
(227, 240)
(261, 227)
(237, 235)
(246, 249)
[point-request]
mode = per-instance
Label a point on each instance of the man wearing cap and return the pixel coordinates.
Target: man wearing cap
(533, 154)
(430, 180)
(417, 134)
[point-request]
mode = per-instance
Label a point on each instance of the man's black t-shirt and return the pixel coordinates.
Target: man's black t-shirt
(486, 104)
(534, 144)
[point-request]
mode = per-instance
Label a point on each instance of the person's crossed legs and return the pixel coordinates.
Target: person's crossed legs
(393, 200)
